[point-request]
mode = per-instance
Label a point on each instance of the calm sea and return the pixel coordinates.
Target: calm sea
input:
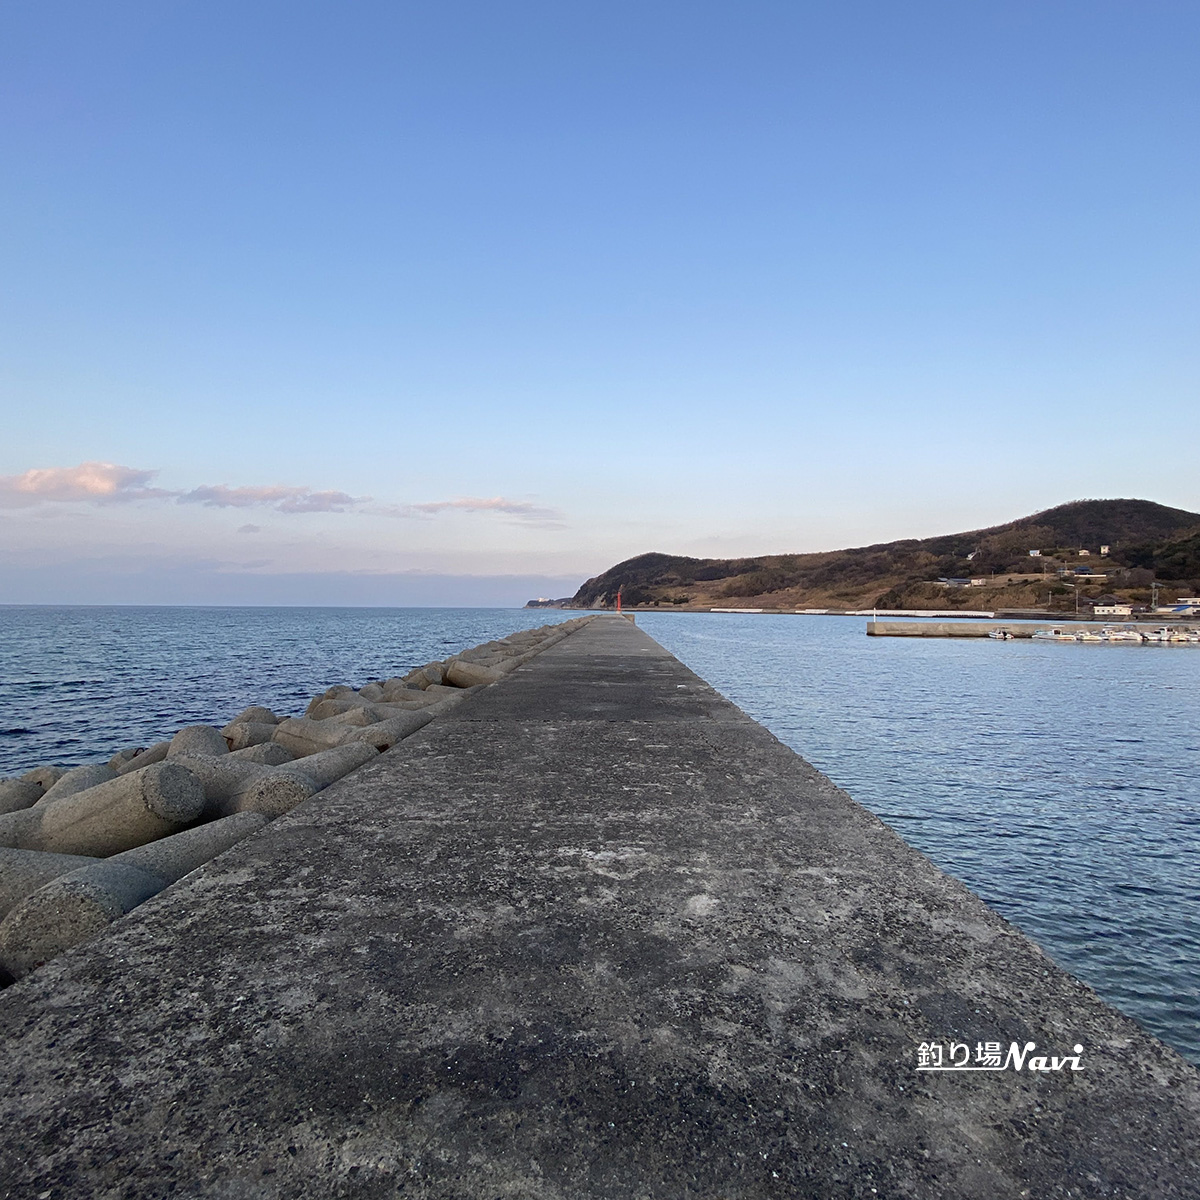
(79, 683)
(1060, 782)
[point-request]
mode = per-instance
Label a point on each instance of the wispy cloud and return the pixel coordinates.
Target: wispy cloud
(475, 504)
(249, 529)
(94, 482)
(521, 509)
(280, 498)
(107, 483)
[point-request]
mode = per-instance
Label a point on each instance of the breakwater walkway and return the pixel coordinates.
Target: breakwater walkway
(592, 933)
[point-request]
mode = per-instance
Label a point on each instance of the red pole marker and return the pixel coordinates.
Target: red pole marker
(619, 598)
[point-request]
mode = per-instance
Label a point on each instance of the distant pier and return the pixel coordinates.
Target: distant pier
(593, 933)
(1015, 629)
(969, 629)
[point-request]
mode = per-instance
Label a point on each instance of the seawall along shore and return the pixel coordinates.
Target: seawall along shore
(977, 629)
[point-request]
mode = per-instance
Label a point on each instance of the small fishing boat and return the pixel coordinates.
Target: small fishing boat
(1053, 635)
(1121, 635)
(1001, 635)
(1087, 635)
(1164, 635)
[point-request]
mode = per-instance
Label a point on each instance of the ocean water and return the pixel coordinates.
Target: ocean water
(1059, 782)
(79, 683)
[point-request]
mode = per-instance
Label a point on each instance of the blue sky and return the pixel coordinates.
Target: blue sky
(464, 302)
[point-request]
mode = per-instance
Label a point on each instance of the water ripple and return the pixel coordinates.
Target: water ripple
(78, 684)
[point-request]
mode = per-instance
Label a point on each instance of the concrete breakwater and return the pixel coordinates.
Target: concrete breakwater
(81, 847)
(592, 933)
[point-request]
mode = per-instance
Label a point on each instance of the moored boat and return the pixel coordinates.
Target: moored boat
(1164, 635)
(1121, 635)
(1054, 635)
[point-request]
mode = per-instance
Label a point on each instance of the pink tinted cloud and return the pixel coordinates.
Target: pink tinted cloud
(106, 483)
(93, 482)
(474, 504)
(282, 499)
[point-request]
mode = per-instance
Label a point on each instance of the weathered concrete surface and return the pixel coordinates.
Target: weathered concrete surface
(592, 934)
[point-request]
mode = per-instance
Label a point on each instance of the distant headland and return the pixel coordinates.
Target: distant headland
(1089, 552)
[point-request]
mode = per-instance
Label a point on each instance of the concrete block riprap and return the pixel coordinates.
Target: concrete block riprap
(385, 734)
(304, 736)
(78, 779)
(422, 677)
(198, 739)
(123, 758)
(26, 790)
(364, 714)
(222, 777)
(123, 815)
(76, 905)
(279, 790)
(22, 872)
(467, 674)
(148, 757)
(110, 817)
(256, 714)
(395, 688)
(591, 933)
(241, 735)
(16, 794)
(323, 710)
(46, 776)
(270, 754)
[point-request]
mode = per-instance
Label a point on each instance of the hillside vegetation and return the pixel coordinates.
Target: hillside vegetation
(1146, 541)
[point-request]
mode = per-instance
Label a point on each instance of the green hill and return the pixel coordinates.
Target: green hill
(1146, 541)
